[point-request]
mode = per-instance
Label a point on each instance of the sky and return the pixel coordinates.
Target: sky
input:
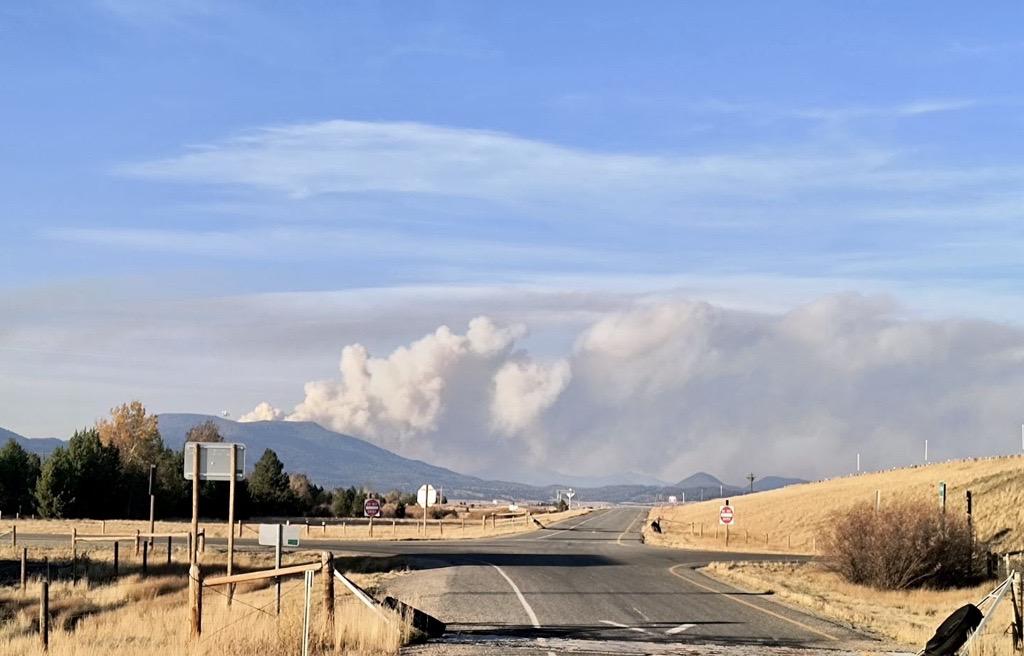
(524, 237)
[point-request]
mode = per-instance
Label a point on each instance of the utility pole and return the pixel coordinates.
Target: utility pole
(750, 477)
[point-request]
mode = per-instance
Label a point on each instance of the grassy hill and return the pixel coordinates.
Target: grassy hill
(795, 517)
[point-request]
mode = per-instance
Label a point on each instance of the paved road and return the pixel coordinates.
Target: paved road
(589, 585)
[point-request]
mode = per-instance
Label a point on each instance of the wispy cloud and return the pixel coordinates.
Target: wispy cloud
(304, 242)
(346, 157)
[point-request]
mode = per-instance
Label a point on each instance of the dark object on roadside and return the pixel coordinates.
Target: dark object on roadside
(537, 522)
(953, 632)
(656, 526)
(426, 624)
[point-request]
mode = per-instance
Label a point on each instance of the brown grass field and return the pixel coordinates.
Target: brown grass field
(795, 518)
(907, 616)
(135, 614)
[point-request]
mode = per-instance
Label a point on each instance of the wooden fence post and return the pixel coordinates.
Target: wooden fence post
(116, 544)
(24, 567)
(494, 521)
(137, 534)
(483, 522)
(14, 535)
(195, 600)
(440, 527)
(44, 615)
(394, 528)
(74, 555)
(145, 557)
(463, 524)
(327, 561)
(239, 528)
(168, 550)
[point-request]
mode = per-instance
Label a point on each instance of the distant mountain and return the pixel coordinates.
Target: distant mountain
(333, 459)
(43, 446)
(698, 480)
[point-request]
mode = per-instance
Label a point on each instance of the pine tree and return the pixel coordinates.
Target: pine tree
(269, 488)
(19, 471)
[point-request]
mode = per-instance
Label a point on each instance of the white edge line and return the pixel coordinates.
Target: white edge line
(623, 626)
(522, 600)
(680, 629)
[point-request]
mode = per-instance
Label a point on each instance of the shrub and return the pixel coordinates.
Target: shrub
(902, 545)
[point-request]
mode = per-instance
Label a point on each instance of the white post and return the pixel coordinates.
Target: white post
(926, 451)
(305, 612)
(277, 565)
(858, 463)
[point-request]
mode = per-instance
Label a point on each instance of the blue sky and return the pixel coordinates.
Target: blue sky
(188, 156)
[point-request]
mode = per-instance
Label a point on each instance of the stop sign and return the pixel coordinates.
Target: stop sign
(371, 508)
(726, 516)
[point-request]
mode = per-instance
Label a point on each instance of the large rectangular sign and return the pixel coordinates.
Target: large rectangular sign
(214, 461)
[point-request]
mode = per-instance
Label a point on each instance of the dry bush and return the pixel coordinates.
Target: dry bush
(901, 545)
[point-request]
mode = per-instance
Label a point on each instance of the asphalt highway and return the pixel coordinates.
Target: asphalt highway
(589, 585)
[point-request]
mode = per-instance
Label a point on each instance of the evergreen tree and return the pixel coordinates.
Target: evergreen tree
(270, 491)
(97, 476)
(57, 485)
(19, 471)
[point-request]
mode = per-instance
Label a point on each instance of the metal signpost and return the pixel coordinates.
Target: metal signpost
(215, 461)
(426, 496)
(278, 536)
(569, 494)
(371, 509)
(726, 517)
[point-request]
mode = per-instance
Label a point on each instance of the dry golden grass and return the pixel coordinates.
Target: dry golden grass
(909, 617)
(795, 517)
(384, 529)
(149, 615)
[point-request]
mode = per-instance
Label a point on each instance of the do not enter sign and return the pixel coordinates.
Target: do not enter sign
(371, 508)
(726, 516)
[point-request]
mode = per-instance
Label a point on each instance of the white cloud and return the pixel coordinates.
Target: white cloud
(340, 156)
(262, 412)
(668, 387)
(525, 389)
(399, 398)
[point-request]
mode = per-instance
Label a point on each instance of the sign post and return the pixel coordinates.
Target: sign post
(212, 461)
(569, 494)
(231, 519)
(371, 509)
(726, 517)
(152, 503)
(195, 504)
(426, 496)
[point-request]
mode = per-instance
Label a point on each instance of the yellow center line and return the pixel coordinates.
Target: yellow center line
(672, 570)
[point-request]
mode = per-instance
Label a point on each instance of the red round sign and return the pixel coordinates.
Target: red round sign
(726, 515)
(371, 508)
